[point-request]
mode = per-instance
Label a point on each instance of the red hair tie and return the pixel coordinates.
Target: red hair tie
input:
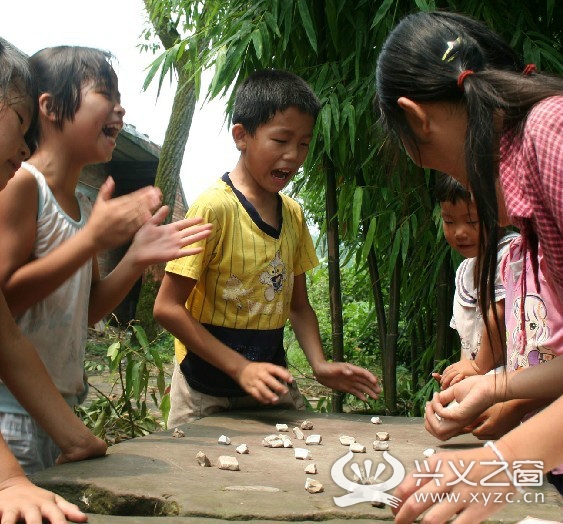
(529, 69)
(462, 76)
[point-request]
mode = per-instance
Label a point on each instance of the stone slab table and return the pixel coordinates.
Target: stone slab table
(157, 479)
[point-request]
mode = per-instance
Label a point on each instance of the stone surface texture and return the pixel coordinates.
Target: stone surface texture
(156, 479)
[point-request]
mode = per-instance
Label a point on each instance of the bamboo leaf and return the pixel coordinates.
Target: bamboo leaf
(326, 120)
(272, 23)
(307, 23)
(154, 67)
(381, 12)
(141, 336)
(332, 21)
(405, 234)
(113, 350)
(370, 236)
(394, 253)
(350, 116)
(357, 208)
(257, 42)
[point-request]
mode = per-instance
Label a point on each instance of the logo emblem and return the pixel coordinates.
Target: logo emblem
(367, 489)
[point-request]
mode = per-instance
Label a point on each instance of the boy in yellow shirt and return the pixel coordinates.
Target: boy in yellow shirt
(227, 306)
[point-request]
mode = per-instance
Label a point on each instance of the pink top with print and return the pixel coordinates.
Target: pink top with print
(531, 172)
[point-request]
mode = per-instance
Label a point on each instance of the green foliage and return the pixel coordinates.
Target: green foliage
(138, 376)
(386, 209)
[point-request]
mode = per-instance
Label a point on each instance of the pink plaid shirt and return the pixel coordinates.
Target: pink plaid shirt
(531, 172)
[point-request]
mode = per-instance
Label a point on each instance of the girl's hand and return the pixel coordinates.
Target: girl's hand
(472, 395)
(114, 221)
(498, 420)
(22, 501)
(264, 381)
(155, 243)
(467, 500)
(457, 372)
(348, 378)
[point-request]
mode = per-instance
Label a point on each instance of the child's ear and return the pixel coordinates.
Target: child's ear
(46, 107)
(239, 136)
(416, 114)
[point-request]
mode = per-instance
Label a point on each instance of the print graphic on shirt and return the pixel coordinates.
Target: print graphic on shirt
(537, 332)
(235, 291)
(255, 301)
(274, 277)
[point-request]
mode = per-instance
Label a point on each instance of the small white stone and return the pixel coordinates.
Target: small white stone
(298, 434)
(229, 463)
(313, 486)
(313, 439)
(428, 452)
(272, 441)
(382, 435)
(242, 449)
(178, 433)
(375, 420)
(306, 424)
(453, 404)
(357, 448)
(346, 440)
(311, 469)
(302, 454)
(282, 427)
(202, 460)
(223, 439)
(379, 445)
(286, 441)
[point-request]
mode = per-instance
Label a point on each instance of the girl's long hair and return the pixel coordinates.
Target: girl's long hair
(422, 60)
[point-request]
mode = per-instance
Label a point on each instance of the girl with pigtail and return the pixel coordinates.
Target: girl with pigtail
(461, 102)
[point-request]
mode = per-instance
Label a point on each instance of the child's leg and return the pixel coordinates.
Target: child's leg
(187, 404)
(33, 448)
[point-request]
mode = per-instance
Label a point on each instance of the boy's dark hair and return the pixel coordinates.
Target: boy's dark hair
(62, 71)
(16, 74)
(268, 91)
(422, 59)
(448, 189)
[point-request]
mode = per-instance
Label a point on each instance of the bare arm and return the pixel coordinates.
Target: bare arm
(476, 394)
(25, 280)
(153, 243)
(27, 378)
(545, 427)
(336, 375)
(21, 501)
(259, 379)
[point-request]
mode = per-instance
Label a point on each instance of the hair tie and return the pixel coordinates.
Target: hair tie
(462, 76)
(529, 69)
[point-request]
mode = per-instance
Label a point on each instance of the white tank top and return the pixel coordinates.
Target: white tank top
(58, 325)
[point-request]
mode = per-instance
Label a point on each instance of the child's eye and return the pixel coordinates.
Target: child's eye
(279, 140)
(305, 144)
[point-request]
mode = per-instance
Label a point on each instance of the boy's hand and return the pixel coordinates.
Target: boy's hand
(349, 379)
(264, 381)
(22, 501)
(457, 372)
(155, 243)
(114, 221)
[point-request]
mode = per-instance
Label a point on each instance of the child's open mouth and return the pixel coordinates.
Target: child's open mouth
(281, 174)
(111, 130)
